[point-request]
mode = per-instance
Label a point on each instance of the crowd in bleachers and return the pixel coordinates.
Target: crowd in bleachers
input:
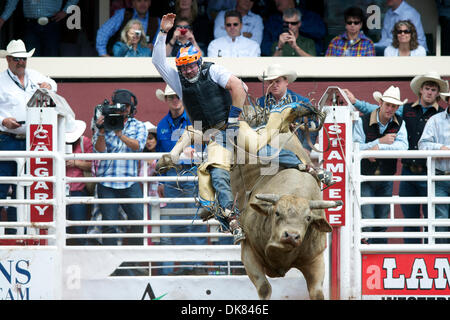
(276, 29)
(221, 29)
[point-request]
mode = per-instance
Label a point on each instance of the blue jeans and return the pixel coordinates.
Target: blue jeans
(45, 39)
(77, 212)
(442, 189)
(110, 211)
(376, 211)
(9, 168)
(412, 211)
(180, 190)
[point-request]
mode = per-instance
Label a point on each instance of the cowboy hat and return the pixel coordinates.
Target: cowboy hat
(74, 129)
(391, 95)
(445, 95)
(418, 81)
(161, 95)
(150, 126)
(16, 48)
(275, 71)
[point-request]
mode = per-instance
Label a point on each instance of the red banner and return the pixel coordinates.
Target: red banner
(41, 140)
(334, 161)
(406, 274)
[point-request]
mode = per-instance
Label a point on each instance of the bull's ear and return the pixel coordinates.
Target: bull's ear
(321, 223)
(261, 207)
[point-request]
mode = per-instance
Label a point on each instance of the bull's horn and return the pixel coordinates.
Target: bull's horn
(269, 197)
(322, 204)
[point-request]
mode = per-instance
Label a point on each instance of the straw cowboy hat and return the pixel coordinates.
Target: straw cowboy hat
(418, 81)
(161, 95)
(74, 129)
(150, 126)
(16, 48)
(391, 95)
(275, 71)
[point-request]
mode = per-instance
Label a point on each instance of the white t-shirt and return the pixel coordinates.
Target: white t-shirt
(393, 52)
(240, 47)
(170, 74)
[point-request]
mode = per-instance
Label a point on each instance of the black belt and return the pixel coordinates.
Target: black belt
(16, 136)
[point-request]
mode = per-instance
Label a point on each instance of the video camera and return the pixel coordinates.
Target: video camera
(114, 120)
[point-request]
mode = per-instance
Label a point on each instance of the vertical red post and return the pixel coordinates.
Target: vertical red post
(336, 263)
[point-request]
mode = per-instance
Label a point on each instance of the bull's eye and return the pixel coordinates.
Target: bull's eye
(308, 218)
(277, 213)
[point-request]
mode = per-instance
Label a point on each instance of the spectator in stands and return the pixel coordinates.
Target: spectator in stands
(169, 129)
(132, 42)
(252, 23)
(399, 10)
(436, 136)
(443, 7)
(277, 94)
(43, 21)
(380, 130)
(181, 36)
(234, 44)
(290, 43)
(404, 41)
(109, 33)
(215, 6)
(353, 42)
(17, 85)
(76, 168)
(416, 114)
(112, 139)
(312, 27)
(202, 27)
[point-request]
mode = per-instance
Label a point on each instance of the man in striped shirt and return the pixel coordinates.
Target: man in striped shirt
(352, 42)
(131, 138)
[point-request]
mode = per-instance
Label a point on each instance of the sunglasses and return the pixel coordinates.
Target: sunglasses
(183, 27)
(291, 23)
(403, 31)
(232, 24)
(172, 97)
(17, 59)
(353, 22)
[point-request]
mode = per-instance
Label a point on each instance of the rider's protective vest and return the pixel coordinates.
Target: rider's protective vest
(205, 100)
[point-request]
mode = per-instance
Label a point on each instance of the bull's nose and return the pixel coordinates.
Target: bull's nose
(292, 238)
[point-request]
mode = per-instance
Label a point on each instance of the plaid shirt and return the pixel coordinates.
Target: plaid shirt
(37, 9)
(133, 129)
(341, 46)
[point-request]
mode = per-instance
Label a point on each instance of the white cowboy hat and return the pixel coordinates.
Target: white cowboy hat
(391, 95)
(74, 129)
(445, 95)
(16, 48)
(161, 95)
(418, 81)
(275, 71)
(150, 126)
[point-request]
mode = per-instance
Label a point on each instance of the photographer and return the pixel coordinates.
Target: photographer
(290, 43)
(119, 132)
(132, 41)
